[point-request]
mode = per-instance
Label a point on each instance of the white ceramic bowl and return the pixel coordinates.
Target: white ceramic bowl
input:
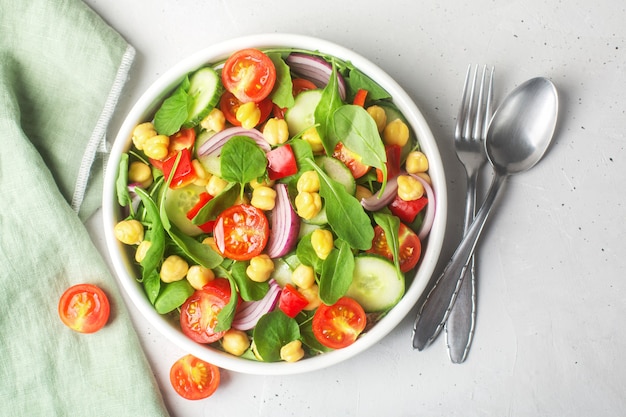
(145, 108)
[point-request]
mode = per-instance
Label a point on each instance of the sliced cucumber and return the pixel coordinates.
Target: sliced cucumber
(302, 115)
(337, 171)
(178, 202)
(205, 89)
(376, 284)
(306, 228)
(282, 272)
(319, 219)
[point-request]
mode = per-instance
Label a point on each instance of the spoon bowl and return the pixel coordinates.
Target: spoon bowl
(517, 138)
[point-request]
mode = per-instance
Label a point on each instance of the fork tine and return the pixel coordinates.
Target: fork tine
(460, 120)
(467, 128)
(480, 104)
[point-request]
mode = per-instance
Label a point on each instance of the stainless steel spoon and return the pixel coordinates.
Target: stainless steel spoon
(519, 134)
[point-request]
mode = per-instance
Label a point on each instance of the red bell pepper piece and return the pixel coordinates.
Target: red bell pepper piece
(281, 162)
(394, 156)
(185, 174)
(204, 198)
(359, 97)
(291, 302)
(407, 210)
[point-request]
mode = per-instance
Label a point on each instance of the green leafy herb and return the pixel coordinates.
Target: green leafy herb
(330, 101)
(248, 289)
(242, 160)
(306, 254)
(391, 226)
(156, 235)
(217, 204)
(174, 110)
(337, 273)
(152, 286)
(273, 331)
(121, 183)
(226, 315)
(357, 80)
(282, 94)
(173, 296)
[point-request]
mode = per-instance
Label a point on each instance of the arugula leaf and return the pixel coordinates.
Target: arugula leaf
(227, 313)
(337, 273)
(330, 101)
(121, 183)
(156, 237)
(152, 286)
(282, 94)
(273, 331)
(174, 110)
(242, 161)
(248, 289)
(391, 226)
(306, 254)
(173, 296)
(357, 80)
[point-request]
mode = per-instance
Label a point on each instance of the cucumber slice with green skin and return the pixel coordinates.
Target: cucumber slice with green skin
(338, 171)
(282, 272)
(205, 89)
(301, 116)
(319, 219)
(178, 202)
(376, 284)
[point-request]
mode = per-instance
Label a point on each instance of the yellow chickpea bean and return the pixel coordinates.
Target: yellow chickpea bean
(396, 133)
(303, 276)
(142, 250)
(214, 121)
(174, 268)
(235, 342)
(129, 232)
(322, 242)
(312, 294)
(266, 183)
(362, 192)
(210, 241)
(202, 175)
(216, 185)
(248, 114)
(308, 205)
(141, 133)
(260, 268)
(157, 147)
(409, 188)
(263, 198)
(379, 116)
(141, 173)
(313, 138)
(416, 162)
(425, 177)
(292, 351)
(276, 131)
(199, 276)
(308, 182)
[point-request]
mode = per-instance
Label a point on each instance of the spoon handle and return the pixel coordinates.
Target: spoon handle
(439, 301)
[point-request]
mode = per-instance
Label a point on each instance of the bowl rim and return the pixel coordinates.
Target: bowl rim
(145, 106)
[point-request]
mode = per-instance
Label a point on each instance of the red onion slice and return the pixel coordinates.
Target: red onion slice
(285, 225)
(376, 202)
(215, 143)
(429, 216)
(315, 69)
(250, 312)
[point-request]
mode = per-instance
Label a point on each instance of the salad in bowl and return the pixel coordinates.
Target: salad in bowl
(274, 204)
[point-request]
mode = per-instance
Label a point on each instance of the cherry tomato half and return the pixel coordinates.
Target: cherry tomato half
(410, 246)
(241, 232)
(193, 378)
(84, 308)
(198, 314)
(229, 105)
(338, 326)
(249, 74)
(351, 160)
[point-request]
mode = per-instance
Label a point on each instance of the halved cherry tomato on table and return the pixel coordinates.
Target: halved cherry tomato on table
(410, 247)
(193, 378)
(249, 74)
(281, 162)
(229, 105)
(338, 326)
(241, 232)
(351, 160)
(198, 314)
(291, 302)
(84, 308)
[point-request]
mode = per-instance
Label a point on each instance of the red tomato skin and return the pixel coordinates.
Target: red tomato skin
(410, 246)
(394, 156)
(193, 378)
(301, 84)
(185, 173)
(291, 302)
(281, 162)
(406, 211)
(198, 314)
(229, 105)
(351, 160)
(184, 138)
(249, 74)
(206, 227)
(84, 308)
(338, 326)
(241, 232)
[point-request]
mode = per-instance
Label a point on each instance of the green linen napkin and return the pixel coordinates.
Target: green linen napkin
(61, 71)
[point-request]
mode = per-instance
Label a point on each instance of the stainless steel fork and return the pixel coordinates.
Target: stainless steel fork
(469, 138)
(440, 306)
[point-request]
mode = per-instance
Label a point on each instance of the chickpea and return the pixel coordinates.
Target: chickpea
(292, 351)
(199, 276)
(416, 162)
(141, 173)
(142, 133)
(276, 131)
(248, 114)
(235, 342)
(425, 177)
(142, 250)
(214, 121)
(157, 147)
(362, 192)
(210, 241)
(216, 185)
(174, 268)
(396, 133)
(313, 138)
(303, 276)
(266, 183)
(263, 198)
(322, 242)
(129, 232)
(379, 116)
(308, 182)
(313, 295)
(260, 268)
(202, 175)
(409, 188)
(308, 205)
